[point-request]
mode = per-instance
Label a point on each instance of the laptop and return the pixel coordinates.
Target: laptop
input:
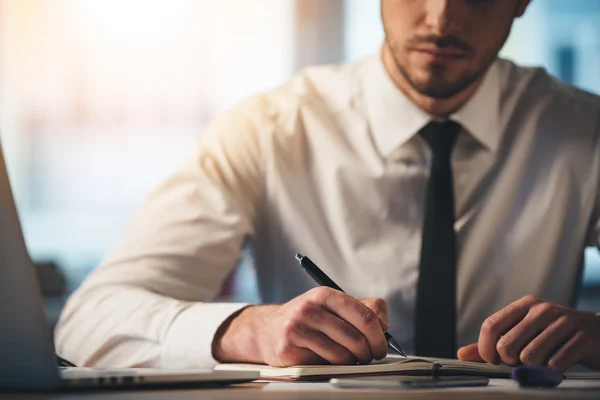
(27, 357)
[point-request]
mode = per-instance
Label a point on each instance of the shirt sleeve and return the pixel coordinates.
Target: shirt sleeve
(145, 305)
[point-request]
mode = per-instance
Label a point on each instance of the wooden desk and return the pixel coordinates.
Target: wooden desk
(252, 391)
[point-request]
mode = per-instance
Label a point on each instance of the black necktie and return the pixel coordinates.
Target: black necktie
(436, 288)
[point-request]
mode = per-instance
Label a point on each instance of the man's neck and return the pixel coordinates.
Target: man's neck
(436, 107)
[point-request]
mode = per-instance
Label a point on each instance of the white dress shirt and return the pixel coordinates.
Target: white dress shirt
(331, 165)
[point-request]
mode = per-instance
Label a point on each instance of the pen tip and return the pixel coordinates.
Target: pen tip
(395, 345)
(299, 256)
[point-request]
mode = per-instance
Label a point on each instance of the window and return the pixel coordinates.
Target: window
(100, 100)
(562, 36)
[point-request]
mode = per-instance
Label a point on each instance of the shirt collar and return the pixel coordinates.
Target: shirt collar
(394, 118)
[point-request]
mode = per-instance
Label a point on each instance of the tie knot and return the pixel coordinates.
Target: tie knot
(441, 137)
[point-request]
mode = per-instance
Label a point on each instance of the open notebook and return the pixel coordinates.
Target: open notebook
(391, 365)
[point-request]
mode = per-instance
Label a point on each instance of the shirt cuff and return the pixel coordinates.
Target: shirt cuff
(188, 343)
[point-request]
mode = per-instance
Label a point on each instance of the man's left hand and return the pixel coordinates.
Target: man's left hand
(533, 331)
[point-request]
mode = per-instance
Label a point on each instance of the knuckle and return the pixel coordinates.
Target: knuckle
(489, 327)
(369, 317)
(357, 343)
(531, 298)
(291, 329)
(545, 308)
(554, 364)
(565, 320)
(366, 301)
(321, 293)
(307, 310)
(505, 348)
(350, 302)
(355, 338)
(379, 304)
(528, 357)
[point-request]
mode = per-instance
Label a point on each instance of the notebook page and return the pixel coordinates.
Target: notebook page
(470, 367)
(387, 365)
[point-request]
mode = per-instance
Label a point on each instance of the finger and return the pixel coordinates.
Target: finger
(356, 313)
(498, 324)
(299, 356)
(569, 354)
(469, 353)
(541, 348)
(342, 333)
(379, 306)
(321, 345)
(287, 352)
(511, 344)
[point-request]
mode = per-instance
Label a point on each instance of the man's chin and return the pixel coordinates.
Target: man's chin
(437, 81)
(433, 81)
(437, 89)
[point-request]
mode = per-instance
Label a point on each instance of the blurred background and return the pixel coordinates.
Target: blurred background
(101, 99)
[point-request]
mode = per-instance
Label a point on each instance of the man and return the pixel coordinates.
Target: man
(453, 192)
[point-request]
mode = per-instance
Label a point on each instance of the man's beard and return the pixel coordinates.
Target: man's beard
(438, 87)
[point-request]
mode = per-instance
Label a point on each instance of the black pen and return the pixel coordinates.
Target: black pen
(322, 279)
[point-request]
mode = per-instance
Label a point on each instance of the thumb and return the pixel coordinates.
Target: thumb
(379, 306)
(469, 353)
(383, 319)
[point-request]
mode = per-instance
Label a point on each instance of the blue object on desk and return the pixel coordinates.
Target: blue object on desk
(533, 376)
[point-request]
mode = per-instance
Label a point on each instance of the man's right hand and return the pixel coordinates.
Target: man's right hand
(320, 326)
